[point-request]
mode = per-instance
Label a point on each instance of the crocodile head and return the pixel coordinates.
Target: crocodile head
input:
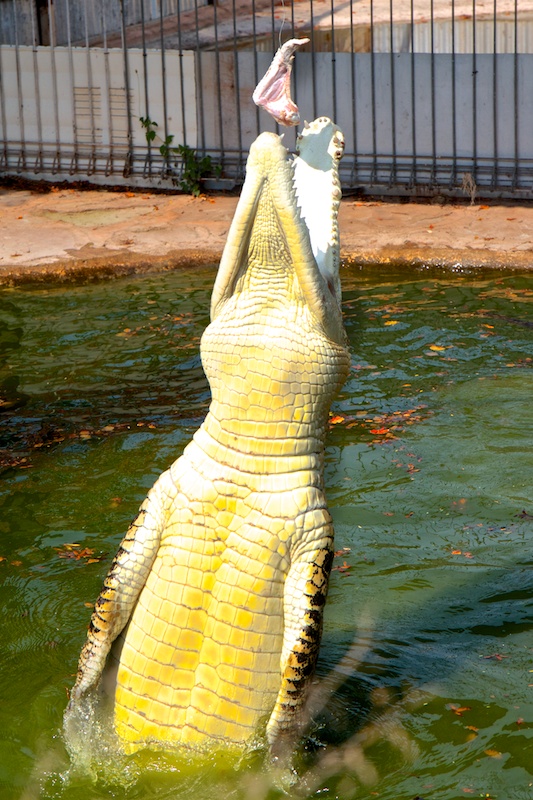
(275, 352)
(284, 235)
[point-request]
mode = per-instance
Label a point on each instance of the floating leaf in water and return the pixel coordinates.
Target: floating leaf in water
(78, 553)
(392, 322)
(458, 710)
(335, 420)
(344, 567)
(493, 753)
(436, 347)
(342, 551)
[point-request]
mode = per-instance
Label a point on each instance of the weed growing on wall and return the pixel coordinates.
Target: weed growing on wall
(191, 168)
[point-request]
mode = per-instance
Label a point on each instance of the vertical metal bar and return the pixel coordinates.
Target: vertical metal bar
(74, 161)
(373, 95)
(22, 155)
(474, 94)
(111, 154)
(453, 177)
(313, 56)
(3, 113)
(92, 160)
(495, 97)
(414, 164)
(296, 67)
(237, 88)
(219, 86)
(148, 159)
(199, 79)
(333, 61)
(393, 97)
(52, 27)
(354, 91)
(38, 167)
(433, 99)
(181, 77)
(293, 27)
(516, 95)
(167, 167)
(128, 162)
(256, 66)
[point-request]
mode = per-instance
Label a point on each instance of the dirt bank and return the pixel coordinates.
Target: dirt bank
(68, 234)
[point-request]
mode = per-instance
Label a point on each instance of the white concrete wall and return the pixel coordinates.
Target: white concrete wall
(74, 101)
(490, 78)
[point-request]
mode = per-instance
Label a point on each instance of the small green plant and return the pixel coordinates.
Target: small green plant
(193, 169)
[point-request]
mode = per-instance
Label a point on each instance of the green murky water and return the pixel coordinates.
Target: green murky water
(429, 469)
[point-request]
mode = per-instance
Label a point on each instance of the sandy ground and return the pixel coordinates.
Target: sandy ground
(67, 234)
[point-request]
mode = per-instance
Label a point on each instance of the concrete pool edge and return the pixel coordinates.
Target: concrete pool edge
(85, 271)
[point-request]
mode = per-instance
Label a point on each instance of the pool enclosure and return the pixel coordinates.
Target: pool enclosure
(433, 96)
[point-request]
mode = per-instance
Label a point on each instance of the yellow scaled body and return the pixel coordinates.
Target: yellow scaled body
(210, 617)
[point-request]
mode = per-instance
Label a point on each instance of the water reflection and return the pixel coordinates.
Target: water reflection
(428, 469)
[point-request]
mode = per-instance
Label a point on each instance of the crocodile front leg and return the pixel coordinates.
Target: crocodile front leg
(304, 599)
(122, 586)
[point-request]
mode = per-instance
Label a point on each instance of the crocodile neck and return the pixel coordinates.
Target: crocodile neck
(270, 402)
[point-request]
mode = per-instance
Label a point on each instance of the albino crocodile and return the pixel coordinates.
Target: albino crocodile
(210, 617)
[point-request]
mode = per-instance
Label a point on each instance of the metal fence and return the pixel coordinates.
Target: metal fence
(433, 96)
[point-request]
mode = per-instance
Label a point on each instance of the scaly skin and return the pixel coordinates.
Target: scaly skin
(210, 617)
